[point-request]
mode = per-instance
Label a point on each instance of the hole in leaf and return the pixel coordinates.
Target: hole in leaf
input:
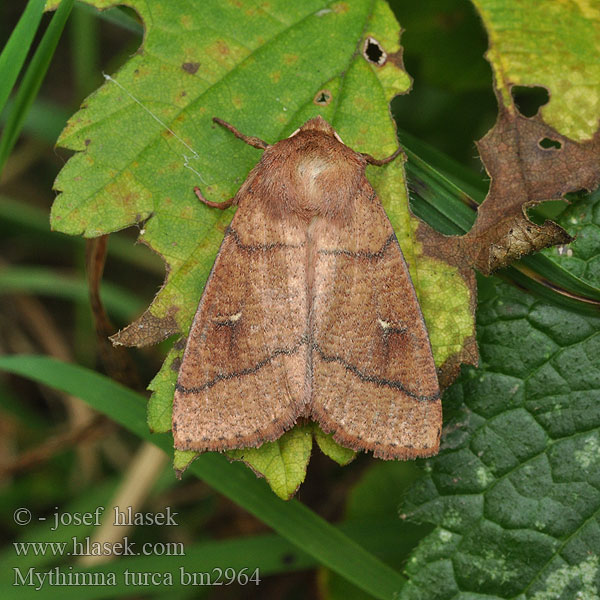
(529, 100)
(373, 52)
(322, 97)
(549, 144)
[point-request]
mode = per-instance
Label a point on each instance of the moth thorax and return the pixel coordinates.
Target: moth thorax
(309, 173)
(322, 185)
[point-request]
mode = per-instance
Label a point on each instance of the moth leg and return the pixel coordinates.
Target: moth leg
(250, 140)
(379, 162)
(220, 205)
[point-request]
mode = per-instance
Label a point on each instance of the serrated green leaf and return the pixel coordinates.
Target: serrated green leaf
(282, 462)
(331, 448)
(515, 491)
(182, 459)
(160, 404)
(146, 138)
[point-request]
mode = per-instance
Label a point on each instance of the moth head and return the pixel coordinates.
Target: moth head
(319, 124)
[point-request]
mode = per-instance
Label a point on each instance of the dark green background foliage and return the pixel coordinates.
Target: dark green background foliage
(515, 493)
(509, 509)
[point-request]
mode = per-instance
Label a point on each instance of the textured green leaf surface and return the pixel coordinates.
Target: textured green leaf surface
(146, 139)
(581, 257)
(515, 491)
(551, 43)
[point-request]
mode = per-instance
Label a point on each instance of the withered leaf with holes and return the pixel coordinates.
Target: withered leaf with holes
(309, 311)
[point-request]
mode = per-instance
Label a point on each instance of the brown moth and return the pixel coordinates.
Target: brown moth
(309, 311)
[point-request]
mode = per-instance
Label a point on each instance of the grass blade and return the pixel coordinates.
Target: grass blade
(269, 553)
(292, 520)
(44, 120)
(85, 46)
(16, 49)
(37, 280)
(116, 16)
(33, 80)
(15, 215)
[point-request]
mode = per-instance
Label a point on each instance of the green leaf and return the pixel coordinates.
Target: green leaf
(555, 45)
(515, 491)
(283, 461)
(182, 459)
(262, 72)
(444, 196)
(331, 448)
(292, 520)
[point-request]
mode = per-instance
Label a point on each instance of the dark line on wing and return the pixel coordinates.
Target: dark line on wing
(394, 331)
(369, 255)
(248, 371)
(227, 323)
(259, 247)
(373, 378)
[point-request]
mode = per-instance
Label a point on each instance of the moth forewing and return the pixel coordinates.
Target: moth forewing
(309, 311)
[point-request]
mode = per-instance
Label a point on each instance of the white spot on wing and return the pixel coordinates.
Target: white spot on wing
(228, 320)
(384, 324)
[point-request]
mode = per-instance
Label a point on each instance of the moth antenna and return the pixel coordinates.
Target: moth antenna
(379, 162)
(250, 140)
(220, 205)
